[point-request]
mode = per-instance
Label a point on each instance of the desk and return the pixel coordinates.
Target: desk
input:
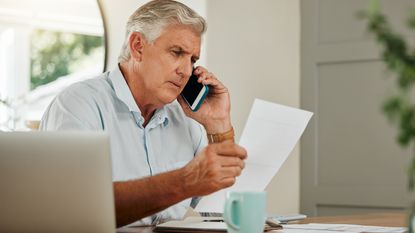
(385, 219)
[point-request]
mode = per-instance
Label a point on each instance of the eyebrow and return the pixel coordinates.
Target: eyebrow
(181, 49)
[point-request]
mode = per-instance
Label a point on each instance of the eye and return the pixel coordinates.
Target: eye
(177, 53)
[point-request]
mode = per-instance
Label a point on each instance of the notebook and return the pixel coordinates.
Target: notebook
(200, 224)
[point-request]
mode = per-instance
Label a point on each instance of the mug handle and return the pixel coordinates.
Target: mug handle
(227, 215)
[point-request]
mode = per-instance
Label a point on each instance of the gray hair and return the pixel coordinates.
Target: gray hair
(153, 17)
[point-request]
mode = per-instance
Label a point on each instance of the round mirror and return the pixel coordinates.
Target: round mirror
(45, 45)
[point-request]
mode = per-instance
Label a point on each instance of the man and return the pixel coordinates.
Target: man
(159, 150)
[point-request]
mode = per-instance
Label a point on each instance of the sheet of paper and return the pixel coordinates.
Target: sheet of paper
(270, 134)
(194, 223)
(309, 231)
(343, 228)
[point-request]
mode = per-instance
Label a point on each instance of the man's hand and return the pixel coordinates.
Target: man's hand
(214, 113)
(215, 168)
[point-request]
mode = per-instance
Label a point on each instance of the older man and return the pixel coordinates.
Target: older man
(160, 155)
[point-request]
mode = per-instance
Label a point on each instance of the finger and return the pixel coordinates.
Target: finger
(231, 172)
(231, 162)
(204, 75)
(228, 181)
(199, 69)
(208, 78)
(214, 82)
(230, 149)
(211, 80)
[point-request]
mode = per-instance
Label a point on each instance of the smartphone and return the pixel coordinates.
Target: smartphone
(194, 93)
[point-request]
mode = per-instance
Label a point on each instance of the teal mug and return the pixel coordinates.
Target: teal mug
(245, 212)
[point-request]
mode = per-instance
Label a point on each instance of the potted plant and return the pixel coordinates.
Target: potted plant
(400, 107)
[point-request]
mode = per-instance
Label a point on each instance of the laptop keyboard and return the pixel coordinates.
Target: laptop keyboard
(210, 214)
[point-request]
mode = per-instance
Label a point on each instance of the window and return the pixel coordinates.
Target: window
(55, 54)
(45, 45)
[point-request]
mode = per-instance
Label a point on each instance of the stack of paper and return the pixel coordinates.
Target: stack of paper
(339, 228)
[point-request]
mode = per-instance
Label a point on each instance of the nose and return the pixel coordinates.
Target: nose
(185, 69)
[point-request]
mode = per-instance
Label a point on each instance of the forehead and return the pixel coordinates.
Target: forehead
(180, 35)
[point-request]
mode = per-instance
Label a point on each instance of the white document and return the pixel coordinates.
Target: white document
(341, 228)
(311, 231)
(193, 224)
(269, 136)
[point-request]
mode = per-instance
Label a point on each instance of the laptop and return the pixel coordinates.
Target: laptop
(56, 182)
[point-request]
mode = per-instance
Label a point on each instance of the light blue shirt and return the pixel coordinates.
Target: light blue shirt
(169, 141)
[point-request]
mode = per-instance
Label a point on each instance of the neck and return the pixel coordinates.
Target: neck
(136, 86)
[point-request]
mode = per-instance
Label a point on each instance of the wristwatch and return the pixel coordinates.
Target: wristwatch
(220, 137)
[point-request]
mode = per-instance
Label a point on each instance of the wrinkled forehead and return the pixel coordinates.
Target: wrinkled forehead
(183, 36)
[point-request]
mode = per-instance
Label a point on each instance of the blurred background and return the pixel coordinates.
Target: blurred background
(45, 45)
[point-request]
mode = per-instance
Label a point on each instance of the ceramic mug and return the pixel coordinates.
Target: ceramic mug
(245, 212)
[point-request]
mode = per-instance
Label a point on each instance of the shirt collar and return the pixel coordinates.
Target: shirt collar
(161, 116)
(123, 92)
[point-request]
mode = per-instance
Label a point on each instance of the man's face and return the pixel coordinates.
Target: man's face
(166, 64)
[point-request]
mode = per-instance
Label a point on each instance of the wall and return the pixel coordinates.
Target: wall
(351, 161)
(253, 47)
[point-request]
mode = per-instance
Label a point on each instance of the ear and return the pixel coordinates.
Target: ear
(136, 43)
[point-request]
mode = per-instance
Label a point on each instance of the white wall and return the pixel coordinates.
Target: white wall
(254, 48)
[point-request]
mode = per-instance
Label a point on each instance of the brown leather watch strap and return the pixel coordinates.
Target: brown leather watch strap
(220, 137)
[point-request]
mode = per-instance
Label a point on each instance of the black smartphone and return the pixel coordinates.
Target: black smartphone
(194, 93)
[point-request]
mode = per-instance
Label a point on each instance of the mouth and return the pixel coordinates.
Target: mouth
(176, 84)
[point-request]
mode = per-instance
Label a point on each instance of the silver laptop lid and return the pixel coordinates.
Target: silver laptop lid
(55, 182)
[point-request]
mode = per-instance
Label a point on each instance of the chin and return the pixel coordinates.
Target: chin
(169, 99)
